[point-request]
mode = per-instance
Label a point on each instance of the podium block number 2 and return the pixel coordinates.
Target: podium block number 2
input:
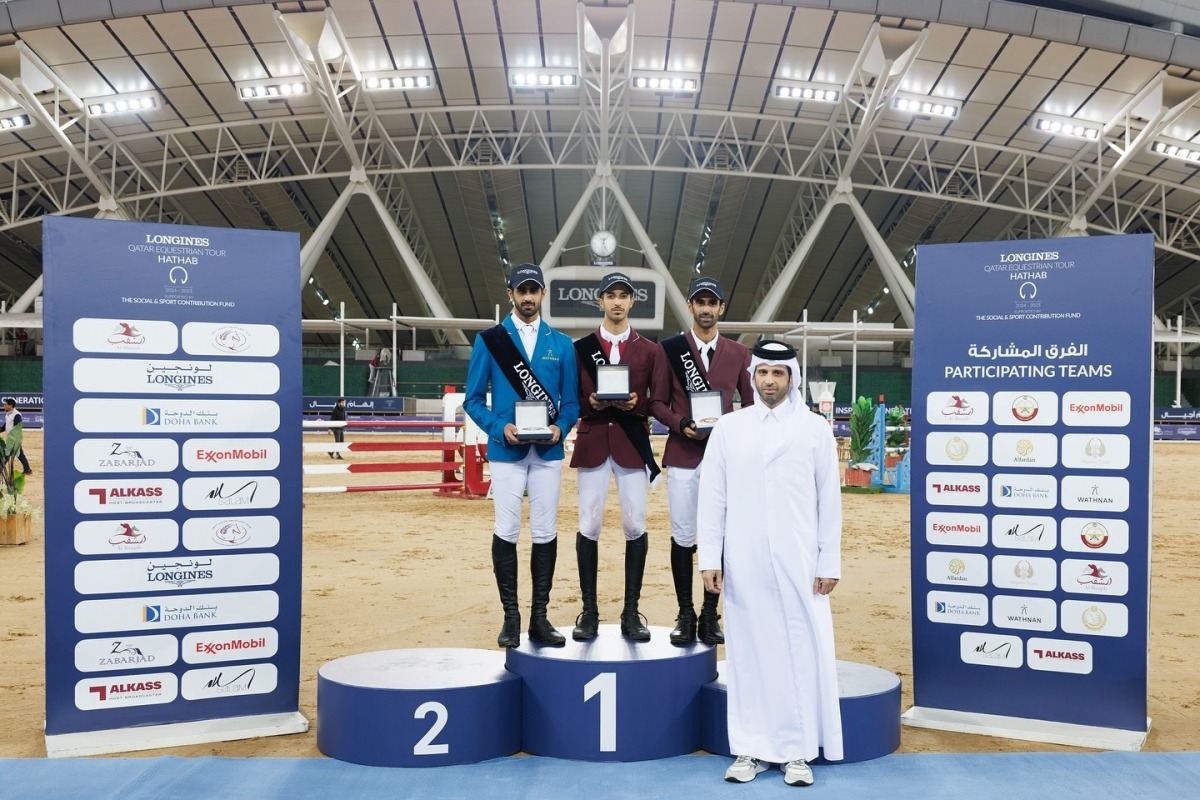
(605, 685)
(426, 747)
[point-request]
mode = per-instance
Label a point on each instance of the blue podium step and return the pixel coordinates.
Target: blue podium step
(418, 708)
(611, 699)
(869, 702)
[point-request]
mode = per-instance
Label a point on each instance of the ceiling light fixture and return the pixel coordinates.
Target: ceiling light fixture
(1066, 126)
(392, 81)
(1183, 151)
(676, 82)
(545, 79)
(928, 106)
(14, 121)
(280, 89)
(121, 104)
(816, 92)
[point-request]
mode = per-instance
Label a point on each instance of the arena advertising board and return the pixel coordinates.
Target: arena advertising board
(173, 478)
(1031, 479)
(572, 294)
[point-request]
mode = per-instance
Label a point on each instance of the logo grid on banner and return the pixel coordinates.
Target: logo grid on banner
(1031, 382)
(172, 478)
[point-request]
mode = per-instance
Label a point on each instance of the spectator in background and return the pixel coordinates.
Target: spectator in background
(12, 418)
(339, 433)
(22, 341)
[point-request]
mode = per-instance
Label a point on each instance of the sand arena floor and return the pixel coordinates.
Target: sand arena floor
(408, 569)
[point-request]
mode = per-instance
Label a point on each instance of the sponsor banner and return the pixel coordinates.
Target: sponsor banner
(1090, 618)
(114, 455)
(229, 493)
(1012, 490)
(126, 653)
(1095, 451)
(244, 339)
(230, 455)
(120, 536)
(126, 496)
(175, 574)
(176, 611)
(25, 399)
(1034, 573)
(1032, 450)
(181, 380)
(122, 691)
(1042, 337)
(956, 529)
(1024, 532)
(242, 644)
(229, 681)
(230, 532)
(102, 415)
(990, 649)
(956, 489)
(90, 335)
(1026, 613)
(1096, 409)
(956, 569)
(1027, 409)
(956, 448)
(956, 408)
(1093, 535)
(1095, 493)
(1059, 655)
(1093, 576)
(957, 608)
(151, 376)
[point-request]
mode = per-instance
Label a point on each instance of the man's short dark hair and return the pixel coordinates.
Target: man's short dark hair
(9, 401)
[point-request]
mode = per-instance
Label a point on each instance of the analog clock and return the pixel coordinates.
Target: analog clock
(604, 243)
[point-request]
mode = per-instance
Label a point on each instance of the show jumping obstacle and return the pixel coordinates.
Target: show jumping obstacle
(472, 448)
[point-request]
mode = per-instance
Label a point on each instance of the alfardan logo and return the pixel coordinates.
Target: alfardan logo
(126, 334)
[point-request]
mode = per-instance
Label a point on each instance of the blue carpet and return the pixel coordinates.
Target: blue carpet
(1045, 776)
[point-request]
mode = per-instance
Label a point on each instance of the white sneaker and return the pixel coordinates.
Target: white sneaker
(797, 773)
(744, 769)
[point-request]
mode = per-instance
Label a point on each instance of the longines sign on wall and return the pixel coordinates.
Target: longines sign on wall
(572, 294)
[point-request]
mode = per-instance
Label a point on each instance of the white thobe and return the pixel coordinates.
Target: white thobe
(770, 516)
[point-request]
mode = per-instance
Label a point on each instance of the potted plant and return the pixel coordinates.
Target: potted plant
(16, 514)
(862, 435)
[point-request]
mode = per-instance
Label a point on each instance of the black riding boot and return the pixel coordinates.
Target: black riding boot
(681, 571)
(710, 629)
(587, 625)
(635, 569)
(504, 564)
(541, 568)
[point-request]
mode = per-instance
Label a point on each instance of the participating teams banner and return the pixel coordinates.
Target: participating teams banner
(173, 478)
(1031, 479)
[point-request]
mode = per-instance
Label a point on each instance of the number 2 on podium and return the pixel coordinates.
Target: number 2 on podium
(605, 685)
(426, 747)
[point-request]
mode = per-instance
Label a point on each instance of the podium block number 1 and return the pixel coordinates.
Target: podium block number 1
(605, 685)
(426, 747)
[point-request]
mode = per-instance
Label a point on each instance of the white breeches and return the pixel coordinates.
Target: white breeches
(510, 480)
(631, 492)
(683, 494)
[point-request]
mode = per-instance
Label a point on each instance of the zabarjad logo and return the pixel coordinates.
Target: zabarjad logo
(126, 334)
(1025, 408)
(231, 339)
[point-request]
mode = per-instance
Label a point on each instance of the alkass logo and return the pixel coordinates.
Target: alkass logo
(126, 690)
(1060, 655)
(103, 494)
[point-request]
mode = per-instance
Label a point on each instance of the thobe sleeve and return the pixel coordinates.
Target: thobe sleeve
(710, 511)
(829, 503)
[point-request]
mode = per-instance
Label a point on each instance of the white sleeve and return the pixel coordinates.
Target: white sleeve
(829, 503)
(710, 510)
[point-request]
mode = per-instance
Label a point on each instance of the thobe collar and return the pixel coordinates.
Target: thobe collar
(780, 411)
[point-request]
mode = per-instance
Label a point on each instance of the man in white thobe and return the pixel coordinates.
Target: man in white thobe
(770, 522)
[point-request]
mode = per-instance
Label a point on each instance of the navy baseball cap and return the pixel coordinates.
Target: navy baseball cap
(706, 285)
(612, 279)
(523, 273)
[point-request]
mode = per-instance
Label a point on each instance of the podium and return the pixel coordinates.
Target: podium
(612, 699)
(609, 699)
